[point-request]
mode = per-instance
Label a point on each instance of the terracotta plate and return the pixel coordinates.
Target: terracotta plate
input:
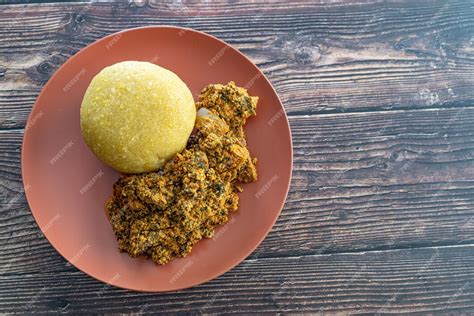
(66, 185)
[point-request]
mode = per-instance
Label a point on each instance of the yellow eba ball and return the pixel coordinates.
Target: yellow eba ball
(137, 115)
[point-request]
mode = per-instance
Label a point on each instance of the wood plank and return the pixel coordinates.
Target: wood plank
(396, 178)
(427, 280)
(321, 58)
(362, 181)
(5, 2)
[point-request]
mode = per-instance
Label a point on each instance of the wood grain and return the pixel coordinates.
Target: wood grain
(380, 215)
(414, 280)
(362, 181)
(321, 58)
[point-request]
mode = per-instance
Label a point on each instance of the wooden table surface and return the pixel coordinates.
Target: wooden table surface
(380, 98)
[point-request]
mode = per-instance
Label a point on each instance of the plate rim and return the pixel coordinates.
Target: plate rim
(218, 272)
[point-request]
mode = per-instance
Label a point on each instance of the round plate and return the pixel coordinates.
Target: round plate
(66, 185)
